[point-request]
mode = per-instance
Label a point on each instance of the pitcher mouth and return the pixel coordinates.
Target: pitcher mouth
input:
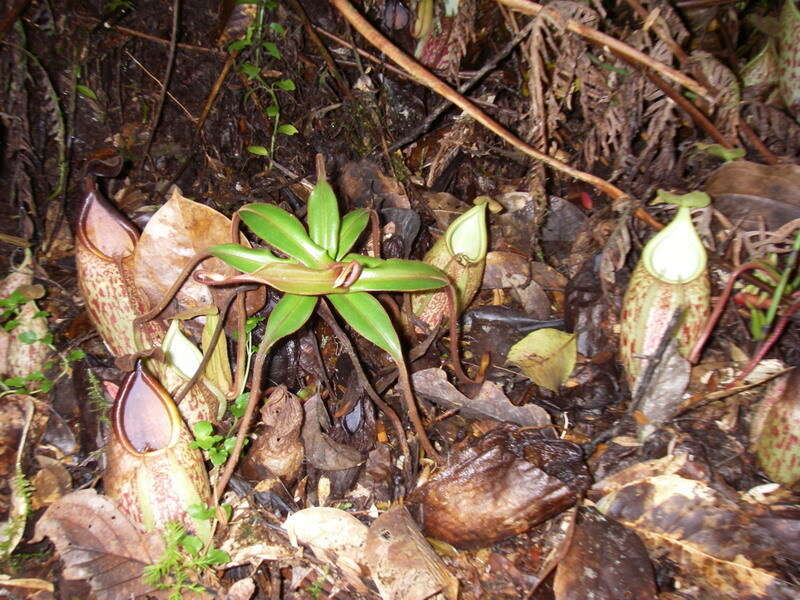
(144, 417)
(96, 209)
(676, 253)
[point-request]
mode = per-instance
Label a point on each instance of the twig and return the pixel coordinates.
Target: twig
(425, 126)
(602, 39)
(176, 6)
(364, 53)
(341, 82)
(153, 38)
(434, 83)
(185, 110)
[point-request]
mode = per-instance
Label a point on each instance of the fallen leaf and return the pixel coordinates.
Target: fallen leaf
(277, 449)
(402, 563)
(175, 233)
(662, 399)
(605, 561)
(107, 550)
(752, 194)
(500, 485)
(490, 402)
(707, 534)
(322, 451)
(335, 536)
(546, 356)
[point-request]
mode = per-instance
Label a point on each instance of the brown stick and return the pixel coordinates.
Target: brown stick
(441, 88)
(173, 44)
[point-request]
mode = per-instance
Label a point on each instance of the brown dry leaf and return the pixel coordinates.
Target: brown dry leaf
(716, 543)
(500, 485)
(605, 561)
(241, 590)
(334, 535)
(51, 482)
(402, 563)
(248, 540)
(364, 184)
(277, 450)
(490, 402)
(322, 451)
(662, 399)
(107, 550)
(750, 194)
(175, 233)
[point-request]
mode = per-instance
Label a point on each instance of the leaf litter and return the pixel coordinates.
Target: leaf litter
(683, 502)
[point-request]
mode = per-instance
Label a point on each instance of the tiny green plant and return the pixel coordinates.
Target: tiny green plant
(217, 446)
(182, 561)
(259, 40)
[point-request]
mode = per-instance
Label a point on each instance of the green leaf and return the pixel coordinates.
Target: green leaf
(238, 45)
(258, 150)
(546, 356)
(284, 232)
(239, 405)
(86, 91)
(28, 337)
(287, 129)
(397, 275)
(290, 314)
(200, 511)
(272, 50)
(323, 217)
(217, 457)
(249, 70)
(277, 28)
(366, 315)
(272, 111)
(216, 556)
(244, 259)
(353, 225)
(228, 510)
(202, 429)
(192, 544)
(286, 85)
(15, 382)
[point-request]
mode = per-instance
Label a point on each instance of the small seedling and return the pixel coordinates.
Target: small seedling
(183, 559)
(218, 447)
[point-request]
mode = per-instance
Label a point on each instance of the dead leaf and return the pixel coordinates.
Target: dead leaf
(750, 194)
(706, 533)
(51, 482)
(546, 356)
(500, 485)
(335, 536)
(176, 232)
(605, 561)
(277, 450)
(662, 399)
(364, 184)
(321, 450)
(402, 563)
(107, 549)
(241, 590)
(490, 402)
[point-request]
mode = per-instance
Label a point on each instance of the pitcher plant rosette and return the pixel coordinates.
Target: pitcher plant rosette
(670, 277)
(153, 472)
(319, 262)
